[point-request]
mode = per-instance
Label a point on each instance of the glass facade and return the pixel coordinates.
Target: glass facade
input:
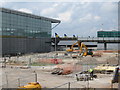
(108, 34)
(24, 33)
(24, 25)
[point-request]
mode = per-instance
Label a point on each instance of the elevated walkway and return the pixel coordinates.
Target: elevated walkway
(103, 40)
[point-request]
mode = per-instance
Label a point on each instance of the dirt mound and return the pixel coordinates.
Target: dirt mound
(112, 60)
(69, 68)
(89, 60)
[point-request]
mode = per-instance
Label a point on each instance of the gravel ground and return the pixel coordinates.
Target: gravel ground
(50, 81)
(14, 76)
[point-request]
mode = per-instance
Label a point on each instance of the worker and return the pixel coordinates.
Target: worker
(91, 73)
(77, 77)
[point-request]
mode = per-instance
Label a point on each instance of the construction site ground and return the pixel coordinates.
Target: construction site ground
(14, 76)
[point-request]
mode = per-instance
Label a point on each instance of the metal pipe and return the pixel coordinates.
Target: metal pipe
(55, 26)
(68, 85)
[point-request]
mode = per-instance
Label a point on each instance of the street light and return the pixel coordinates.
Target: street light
(55, 43)
(103, 37)
(114, 36)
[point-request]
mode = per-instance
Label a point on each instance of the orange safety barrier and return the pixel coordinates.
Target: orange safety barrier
(50, 61)
(56, 61)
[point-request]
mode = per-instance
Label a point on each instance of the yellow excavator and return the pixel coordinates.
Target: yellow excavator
(82, 49)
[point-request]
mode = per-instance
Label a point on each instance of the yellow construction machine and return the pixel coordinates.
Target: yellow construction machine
(82, 49)
(31, 86)
(104, 68)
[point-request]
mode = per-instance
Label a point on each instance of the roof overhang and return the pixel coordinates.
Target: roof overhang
(29, 15)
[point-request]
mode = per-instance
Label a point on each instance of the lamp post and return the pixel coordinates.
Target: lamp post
(55, 47)
(103, 37)
(114, 36)
(55, 44)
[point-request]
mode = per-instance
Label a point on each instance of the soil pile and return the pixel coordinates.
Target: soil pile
(112, 60)
(89, 60)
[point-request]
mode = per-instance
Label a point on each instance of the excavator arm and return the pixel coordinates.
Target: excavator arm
(71, 48)
(83, 52)
(80, 46)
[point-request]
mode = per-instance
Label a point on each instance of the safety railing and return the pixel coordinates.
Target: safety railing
(9, 80)
(97, 38)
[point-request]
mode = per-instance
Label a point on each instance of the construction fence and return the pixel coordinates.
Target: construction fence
(9, 80)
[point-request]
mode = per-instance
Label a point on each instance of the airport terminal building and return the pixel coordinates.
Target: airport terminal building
(24, 33)
(109, 34)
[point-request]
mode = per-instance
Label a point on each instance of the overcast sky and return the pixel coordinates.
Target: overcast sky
(79, 18)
